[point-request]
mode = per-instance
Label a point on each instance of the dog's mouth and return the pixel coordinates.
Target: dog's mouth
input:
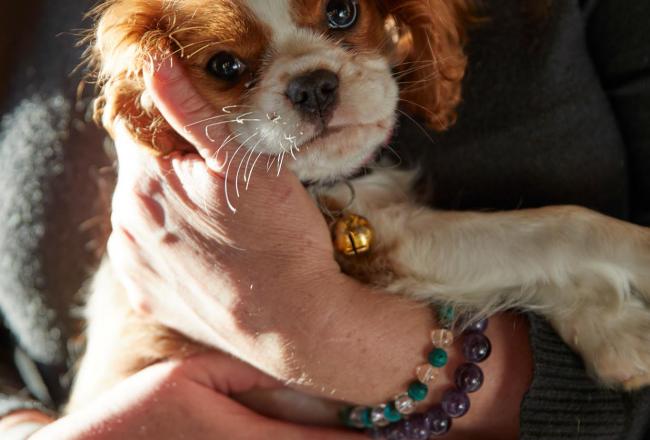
(325, 134)
(352, 150)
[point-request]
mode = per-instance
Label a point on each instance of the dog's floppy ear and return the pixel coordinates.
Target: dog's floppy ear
(127, 38)
(430, 58)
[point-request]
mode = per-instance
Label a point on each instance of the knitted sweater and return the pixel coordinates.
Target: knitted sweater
(556, 111)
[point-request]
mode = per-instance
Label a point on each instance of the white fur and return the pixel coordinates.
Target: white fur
(275, 14)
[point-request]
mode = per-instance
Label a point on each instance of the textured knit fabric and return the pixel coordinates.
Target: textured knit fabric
(563, 402)
(556, 111)
(50, 161)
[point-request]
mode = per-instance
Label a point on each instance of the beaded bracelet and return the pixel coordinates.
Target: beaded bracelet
(395, 420)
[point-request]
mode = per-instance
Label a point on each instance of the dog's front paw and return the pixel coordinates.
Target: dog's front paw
(615, 345)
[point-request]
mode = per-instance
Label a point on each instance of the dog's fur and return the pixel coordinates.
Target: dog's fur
(588, 274)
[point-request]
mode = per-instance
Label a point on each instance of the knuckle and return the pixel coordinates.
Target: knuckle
(151, 210)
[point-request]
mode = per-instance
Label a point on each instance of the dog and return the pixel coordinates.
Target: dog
(317, 84)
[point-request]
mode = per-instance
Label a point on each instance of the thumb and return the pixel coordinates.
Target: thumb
(187, 111)
(225, 374)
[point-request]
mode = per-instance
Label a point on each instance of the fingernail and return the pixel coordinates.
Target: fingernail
(215, 164)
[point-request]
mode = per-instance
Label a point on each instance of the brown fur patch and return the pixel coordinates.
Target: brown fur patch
(431, 76)
(131, 34)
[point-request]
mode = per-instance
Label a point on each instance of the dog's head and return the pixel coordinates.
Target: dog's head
(319, 80)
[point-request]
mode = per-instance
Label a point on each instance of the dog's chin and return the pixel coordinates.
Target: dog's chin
(341, 152)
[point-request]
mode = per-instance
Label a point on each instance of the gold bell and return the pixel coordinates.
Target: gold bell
(352, 235)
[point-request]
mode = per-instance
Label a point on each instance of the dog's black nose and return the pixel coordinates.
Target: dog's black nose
(314, 94)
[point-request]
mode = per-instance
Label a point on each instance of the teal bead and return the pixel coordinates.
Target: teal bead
(391, 414)
(446, 315)
(438, 358)
(344, 416)
(366, 418)
(418, 391)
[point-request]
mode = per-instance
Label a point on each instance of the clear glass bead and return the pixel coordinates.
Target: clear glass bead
(404, 404)
(377, 416)
(427, 374)
(356, 417)
(442, 338)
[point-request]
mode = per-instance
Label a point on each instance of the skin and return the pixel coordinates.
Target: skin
(241, 276)
(175, 399)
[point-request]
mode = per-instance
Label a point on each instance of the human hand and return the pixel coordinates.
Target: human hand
(182, 399)
(223, 278)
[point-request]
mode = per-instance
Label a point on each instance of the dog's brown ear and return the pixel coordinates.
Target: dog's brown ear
(430, 58)
(129, 36)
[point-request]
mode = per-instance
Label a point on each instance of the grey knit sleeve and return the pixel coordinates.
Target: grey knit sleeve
(12, 403)
(14, 395)
(563, 402)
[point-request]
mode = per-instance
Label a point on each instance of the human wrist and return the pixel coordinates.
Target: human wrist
(368, 343)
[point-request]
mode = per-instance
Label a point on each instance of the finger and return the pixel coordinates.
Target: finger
(140, 208)
(131, 156)
(225, 374)
(242, 423)
(186, 111)
(287, 431)
(122, 249)
(197, 185)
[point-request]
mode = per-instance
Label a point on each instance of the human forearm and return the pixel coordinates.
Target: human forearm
(367, 349)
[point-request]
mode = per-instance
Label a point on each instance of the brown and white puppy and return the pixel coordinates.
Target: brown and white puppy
(316, 84)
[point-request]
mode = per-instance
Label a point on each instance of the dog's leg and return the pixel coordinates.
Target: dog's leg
(587, 273)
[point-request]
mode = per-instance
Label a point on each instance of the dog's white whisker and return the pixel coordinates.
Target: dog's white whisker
(231, 137)
(417, 124)
(245, 158)
(249, 158)
(226, 180)
(269, 163)
(241, 120)
(280, 162)
(227, 174)
(250, 173)
(227, 109)
(207, 119)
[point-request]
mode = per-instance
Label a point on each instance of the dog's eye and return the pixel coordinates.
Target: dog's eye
(342, 14)
(226, 66)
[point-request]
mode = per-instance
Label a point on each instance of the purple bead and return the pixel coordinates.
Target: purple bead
(469, 378)
(476, 347)
(439, 421)
(455, 403)
(393, 432)
(477, 326)
(417, 427)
